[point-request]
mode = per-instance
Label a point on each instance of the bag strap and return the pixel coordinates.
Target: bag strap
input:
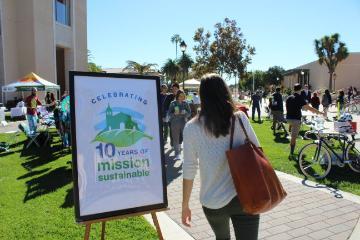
(247, 139)
(232, 131)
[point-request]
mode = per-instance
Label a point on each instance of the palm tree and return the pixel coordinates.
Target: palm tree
(331, 51)
(185, 62)
(140, 68)
(176, 39)
(170, 69)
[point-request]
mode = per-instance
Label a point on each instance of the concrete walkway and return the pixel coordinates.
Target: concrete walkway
(310, 211)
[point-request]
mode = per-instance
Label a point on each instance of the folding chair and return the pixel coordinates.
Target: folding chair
(32, 137)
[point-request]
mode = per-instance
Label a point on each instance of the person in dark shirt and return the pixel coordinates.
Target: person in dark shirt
(171, 97)
(306, 93)
(326, 101)
(315, 101)
(277, 109)
(350, 93)
(164, 107)
(294, 104)
(256, 104)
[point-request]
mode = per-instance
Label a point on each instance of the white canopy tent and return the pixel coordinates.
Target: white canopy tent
(192, 84)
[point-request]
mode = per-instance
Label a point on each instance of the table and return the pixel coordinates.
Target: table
(2, 115)
(17, 112)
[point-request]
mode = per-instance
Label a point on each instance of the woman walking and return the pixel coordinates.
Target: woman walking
(315, 101)
(179, 112)
(326, 101)
(206, 138)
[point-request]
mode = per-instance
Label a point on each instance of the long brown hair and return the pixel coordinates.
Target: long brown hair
(217, 106)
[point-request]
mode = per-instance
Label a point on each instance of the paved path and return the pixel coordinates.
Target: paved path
(11, 126)
(307, 212)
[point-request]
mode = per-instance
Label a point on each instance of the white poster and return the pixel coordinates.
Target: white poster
(118, 153)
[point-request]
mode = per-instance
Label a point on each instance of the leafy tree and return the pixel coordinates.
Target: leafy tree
(272, 74)
(331, 51)
(205, 62)
(170, 69)
(231, 50)
(246, 82)
(92, 67)
(228, 54)
(176, 39)
(140, 68)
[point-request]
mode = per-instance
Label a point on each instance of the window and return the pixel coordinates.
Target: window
(62, 11)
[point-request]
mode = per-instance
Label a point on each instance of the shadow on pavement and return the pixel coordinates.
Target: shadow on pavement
(331, 189)
(173, 168)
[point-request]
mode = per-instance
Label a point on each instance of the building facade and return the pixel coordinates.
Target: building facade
(347, 74)
(48, 37)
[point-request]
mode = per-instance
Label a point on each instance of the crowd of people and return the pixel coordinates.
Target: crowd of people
(176, 111)
(301, 99)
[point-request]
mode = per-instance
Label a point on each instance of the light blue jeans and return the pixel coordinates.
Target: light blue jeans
(32, 119)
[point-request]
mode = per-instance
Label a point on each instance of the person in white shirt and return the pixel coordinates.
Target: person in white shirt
(196, 102)
(206, 139)
(196, 99)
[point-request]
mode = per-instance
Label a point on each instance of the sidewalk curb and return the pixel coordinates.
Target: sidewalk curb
(346, 195)
(355, 234)
(169, 228)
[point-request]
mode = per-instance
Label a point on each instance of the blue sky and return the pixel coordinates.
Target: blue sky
(282, 31)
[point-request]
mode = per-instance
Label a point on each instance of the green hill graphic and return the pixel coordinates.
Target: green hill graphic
(121, 130)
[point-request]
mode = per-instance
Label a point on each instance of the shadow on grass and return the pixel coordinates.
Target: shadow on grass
(281, 138)
(257, 121)
(48, 183)
(36, 157)
(69, 199)
(17, 144)
(33, 173)
(332, 181)
(4, 153)
(340, 174)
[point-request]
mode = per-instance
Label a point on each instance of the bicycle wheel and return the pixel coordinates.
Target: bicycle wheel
(314, 161)
(353, 156)
(353, 108)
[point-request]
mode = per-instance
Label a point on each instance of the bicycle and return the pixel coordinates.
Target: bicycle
(352, 107)
(316, 158)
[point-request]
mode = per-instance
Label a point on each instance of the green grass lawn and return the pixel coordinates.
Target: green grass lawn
(36, 198)
(277, 149)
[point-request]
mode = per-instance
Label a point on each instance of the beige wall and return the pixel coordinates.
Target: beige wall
(1, 57)
(44, 39)
(32, 35)
(81, 36)
(347, 74)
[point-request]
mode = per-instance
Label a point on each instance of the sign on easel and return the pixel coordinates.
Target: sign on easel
(118, 161)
